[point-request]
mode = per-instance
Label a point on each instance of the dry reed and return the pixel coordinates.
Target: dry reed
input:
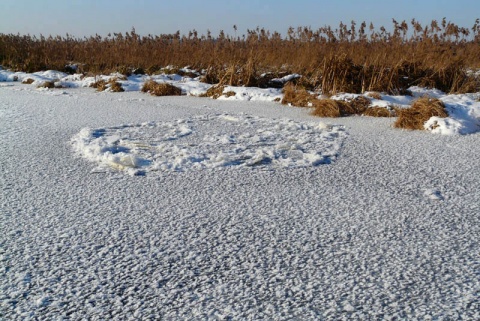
(352, 58)
(420, 111)
(379, 112)
(374, 95)
(99, 85)
(327, 108)
(297, 96)
(214, 91)
(115, 86)
(47, 84)
(161, 89)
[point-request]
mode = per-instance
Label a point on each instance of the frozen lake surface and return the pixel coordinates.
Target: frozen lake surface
(385, 226)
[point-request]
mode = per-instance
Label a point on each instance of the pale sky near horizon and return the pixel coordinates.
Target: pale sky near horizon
(88, 17)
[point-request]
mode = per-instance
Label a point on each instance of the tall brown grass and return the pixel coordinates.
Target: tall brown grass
(350, 58)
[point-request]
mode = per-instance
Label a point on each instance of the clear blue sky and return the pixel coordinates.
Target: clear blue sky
(87, 17)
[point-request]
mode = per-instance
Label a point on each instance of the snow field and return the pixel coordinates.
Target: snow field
(387, 230)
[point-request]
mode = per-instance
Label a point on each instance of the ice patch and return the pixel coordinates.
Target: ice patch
(211, 141)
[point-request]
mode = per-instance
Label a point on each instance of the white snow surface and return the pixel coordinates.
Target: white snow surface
(210, 141)
(464, 110)
(387, 230)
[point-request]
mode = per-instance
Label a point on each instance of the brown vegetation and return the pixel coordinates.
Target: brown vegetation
(353, 58)
(47, 84)
(161, 89)
(214, 91)
(112, 84)
(379, 112)
(359, 104)
(420, 111)
(99, 85)
(298, 96)
(340, 108)
(374, 95)
(115, 86)
(327, 108)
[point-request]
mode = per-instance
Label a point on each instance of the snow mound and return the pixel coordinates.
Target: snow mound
(464, 116)
(210, 141)
(252, 94)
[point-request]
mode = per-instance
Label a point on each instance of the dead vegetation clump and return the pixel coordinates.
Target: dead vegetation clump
(327, 108)
(112, 84)
(115, 86)
(148, 86)
(337, 108)
(188, 74)
(47, 84)
(99, 85)
(374, 95)
(420, 111)
(214, 91)
(358, 105)
(161, 89)
(379, 112)
(297, 96)
(28, 81)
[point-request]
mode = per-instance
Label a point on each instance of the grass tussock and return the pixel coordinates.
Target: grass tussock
(47, 84)
(327, 108)
(339, 108)
(28, 81)
(116, 87)
(99, 85)
(161, 89)
(420, 111)
(113, 85)
(298, 96)
(214, 91)
(354, 57)
(358, 105)
(374, 95)
(379, 112)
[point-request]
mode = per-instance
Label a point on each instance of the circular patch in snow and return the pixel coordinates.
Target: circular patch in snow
(210, 141)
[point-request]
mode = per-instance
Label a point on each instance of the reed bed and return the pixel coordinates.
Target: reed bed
(353, 58)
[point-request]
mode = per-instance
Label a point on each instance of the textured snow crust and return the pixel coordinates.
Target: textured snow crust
(210, 141)
(389, 230)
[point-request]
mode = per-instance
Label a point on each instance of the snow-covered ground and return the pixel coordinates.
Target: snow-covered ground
(210, 141)
(363, 222)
